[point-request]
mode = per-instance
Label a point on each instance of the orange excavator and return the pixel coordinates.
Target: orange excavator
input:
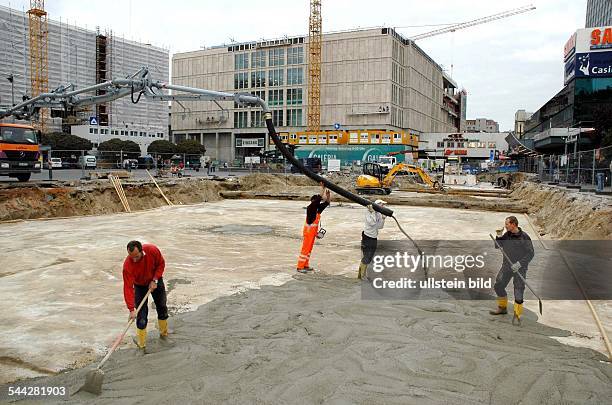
(373, 181)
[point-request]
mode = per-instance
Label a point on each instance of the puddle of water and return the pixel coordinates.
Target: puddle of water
(238, 229)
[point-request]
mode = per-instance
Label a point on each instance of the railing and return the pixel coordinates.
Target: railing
(583, 168)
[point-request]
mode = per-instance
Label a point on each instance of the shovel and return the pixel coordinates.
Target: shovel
(94, 378)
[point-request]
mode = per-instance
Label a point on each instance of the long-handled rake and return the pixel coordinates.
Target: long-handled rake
(95, 378)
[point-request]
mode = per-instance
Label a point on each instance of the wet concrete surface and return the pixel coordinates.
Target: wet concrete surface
(62, 285)
(313, 340)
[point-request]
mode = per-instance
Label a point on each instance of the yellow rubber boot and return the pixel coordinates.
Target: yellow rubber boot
(141, 338)
(518, 311)
(502, 306)
(163, 328)
(362, 271)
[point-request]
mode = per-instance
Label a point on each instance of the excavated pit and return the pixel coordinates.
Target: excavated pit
(314, 329)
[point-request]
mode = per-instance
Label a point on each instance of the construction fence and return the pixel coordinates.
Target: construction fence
(590, 168)
(123, 160)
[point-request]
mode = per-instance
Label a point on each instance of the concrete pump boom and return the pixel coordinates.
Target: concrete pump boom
(65, 97)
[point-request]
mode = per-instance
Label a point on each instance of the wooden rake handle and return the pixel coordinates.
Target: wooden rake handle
(120, 338)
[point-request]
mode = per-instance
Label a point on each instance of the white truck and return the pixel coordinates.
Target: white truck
(87, 162)
(386, 163)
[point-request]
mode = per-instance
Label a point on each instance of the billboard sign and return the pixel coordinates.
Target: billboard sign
(570, 47)
(250, 142)
(594, 64)
(598, 39)
(570, 69)
(601, 38)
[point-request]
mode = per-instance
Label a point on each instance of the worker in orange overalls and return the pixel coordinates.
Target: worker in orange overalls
(318, 203)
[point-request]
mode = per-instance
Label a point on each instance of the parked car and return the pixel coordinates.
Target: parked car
(145, 162)
(56, 163)
(129, 164)
(87, 162)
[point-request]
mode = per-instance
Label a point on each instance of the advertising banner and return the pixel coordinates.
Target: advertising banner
(594, 64)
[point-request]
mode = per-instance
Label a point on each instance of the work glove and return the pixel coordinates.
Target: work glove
(370, 208)
(515, 266)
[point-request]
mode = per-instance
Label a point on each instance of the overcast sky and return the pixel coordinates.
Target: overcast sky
(505, 65)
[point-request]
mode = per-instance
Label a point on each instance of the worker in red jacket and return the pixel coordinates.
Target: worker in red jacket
(142, 270)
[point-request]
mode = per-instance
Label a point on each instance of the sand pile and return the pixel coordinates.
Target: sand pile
(564, 214)
(314, 340)
(345, 180)
(278, 183)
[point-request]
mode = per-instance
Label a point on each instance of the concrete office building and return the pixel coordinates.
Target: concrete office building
(481, 125)
(84, 57)
(520, 117)
(599, 13)
(371, 79)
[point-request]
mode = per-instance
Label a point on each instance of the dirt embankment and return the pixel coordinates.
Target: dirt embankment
(565, 214)
(60, 199)
(99, 198)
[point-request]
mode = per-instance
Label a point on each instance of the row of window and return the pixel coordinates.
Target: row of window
(491, 145)
(274, 42)
(276, 97)
(294, 118)
(106, 131)
(276, 77)
(275, 57)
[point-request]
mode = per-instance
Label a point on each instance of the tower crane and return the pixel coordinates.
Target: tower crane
(314, 52)
(39, 69)
(315, 36)
(471, 23)
(478, 21)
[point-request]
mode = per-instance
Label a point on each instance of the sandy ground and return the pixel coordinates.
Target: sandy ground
(73, 309)
(313, 340)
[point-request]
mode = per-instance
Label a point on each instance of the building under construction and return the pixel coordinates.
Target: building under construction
(369, 79)
(83, 57)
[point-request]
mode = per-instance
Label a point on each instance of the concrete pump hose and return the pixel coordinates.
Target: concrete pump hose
(335, 188)
(319, 179)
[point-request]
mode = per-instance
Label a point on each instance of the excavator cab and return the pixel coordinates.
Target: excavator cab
(373, 169)
(372, 180)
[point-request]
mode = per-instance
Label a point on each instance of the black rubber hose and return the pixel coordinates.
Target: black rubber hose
(339, 190)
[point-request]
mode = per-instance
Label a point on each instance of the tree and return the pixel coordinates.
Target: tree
(116, 145)
(61, 141)
(190, 147)
(161, 146)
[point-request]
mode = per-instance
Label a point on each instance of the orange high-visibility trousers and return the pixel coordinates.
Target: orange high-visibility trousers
(310, 233)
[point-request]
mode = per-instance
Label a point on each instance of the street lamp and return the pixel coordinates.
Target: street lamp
(11, 79)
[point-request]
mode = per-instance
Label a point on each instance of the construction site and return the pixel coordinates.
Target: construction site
(282, 283)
